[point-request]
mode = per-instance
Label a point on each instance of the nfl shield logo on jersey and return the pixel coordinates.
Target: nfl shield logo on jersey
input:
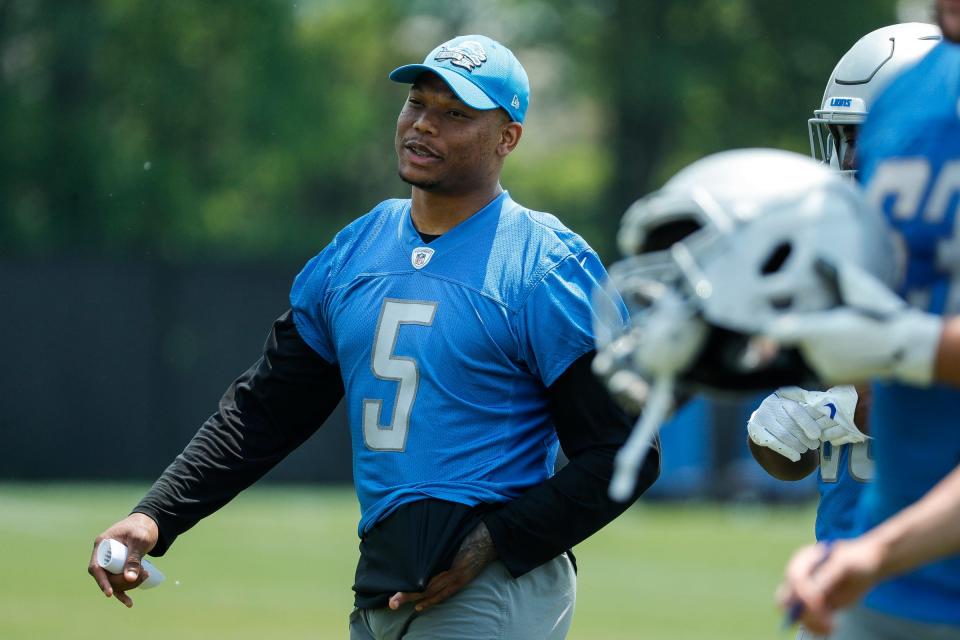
(420, 257)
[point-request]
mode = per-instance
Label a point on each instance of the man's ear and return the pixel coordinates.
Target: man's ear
(510, 134)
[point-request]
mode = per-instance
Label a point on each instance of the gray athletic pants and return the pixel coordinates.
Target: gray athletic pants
(493, 606)
(860, 623)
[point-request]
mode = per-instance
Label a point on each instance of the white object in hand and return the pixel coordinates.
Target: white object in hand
(112, 556)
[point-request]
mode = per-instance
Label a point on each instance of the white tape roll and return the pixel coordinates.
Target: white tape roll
(112, 555)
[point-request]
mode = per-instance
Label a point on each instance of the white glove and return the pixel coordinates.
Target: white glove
(874, 335)
(834, 410)
(792, 421)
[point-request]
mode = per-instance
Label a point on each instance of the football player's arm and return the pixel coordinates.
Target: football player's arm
(925, 531)
(874, 334)
(947, 361)
(574, 504)
(266, 413)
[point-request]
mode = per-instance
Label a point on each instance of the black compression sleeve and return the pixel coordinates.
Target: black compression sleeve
(572, 505)
(265, 414)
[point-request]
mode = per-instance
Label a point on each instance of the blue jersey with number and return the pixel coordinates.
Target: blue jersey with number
(909, 155)
(446, 349)
(842, 475)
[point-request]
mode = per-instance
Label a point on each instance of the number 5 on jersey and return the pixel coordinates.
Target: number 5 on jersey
(386, 366)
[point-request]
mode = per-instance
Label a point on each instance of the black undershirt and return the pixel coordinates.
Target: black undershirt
(286, 395)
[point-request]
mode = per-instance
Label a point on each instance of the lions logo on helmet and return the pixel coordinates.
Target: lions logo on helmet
(468, 55)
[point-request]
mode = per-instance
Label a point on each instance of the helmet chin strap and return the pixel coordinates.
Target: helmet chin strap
(670, 342)
(634, 451)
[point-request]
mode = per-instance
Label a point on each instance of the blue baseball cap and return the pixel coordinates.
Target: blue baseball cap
(481, 71)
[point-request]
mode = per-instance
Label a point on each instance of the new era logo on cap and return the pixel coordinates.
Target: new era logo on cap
(480, 71)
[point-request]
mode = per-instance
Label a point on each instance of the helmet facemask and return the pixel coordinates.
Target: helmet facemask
(833, 140)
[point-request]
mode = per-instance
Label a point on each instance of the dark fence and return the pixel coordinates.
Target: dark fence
(110, 367)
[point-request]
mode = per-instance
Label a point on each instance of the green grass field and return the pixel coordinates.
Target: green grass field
(278, 563)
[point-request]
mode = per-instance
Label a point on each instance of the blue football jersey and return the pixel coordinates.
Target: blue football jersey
(841, 477)
(446, 350)
(909, 157)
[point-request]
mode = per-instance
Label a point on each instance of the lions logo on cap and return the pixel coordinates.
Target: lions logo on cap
(468, 54)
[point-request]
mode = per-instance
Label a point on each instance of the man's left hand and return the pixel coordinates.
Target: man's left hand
(476, 552)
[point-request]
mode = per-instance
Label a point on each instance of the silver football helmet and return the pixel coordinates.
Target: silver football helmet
(727, 246)
(861, 73)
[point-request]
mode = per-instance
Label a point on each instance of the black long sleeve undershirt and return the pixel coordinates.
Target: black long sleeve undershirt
(283, 398)
(572, 505)
(265, 414)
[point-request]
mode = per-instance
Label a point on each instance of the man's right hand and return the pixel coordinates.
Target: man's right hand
(139, 533)
(792, 421)
(819, 580)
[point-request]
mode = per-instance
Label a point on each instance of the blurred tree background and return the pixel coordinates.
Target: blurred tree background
(166, 167)
(187, 131)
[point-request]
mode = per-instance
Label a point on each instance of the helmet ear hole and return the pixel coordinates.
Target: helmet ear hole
(666, 235)
(776, 259)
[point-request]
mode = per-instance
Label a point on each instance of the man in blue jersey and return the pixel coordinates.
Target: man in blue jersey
(457, 326)
(907, 562)
(794, 431)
